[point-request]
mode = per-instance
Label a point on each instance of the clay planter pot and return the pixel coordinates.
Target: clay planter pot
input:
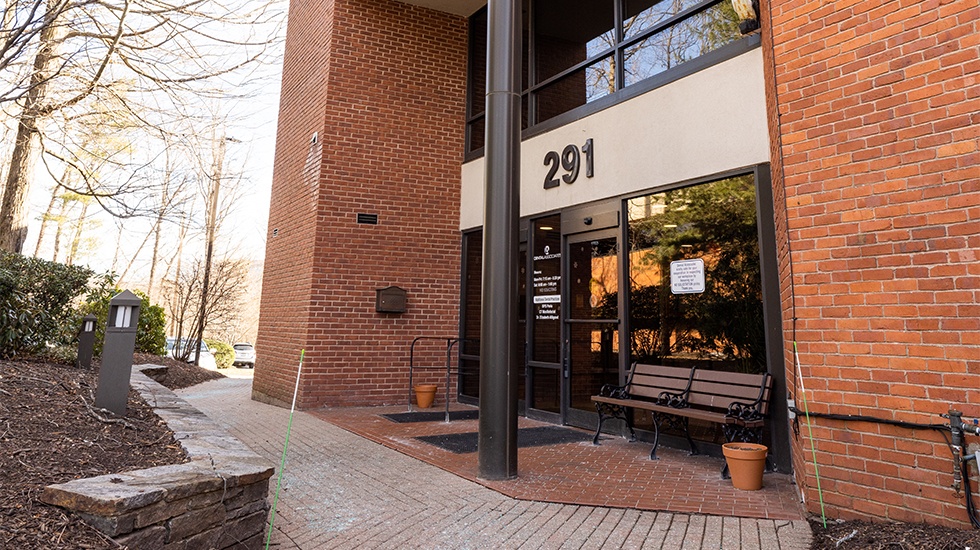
(425, 394)
(746, 462)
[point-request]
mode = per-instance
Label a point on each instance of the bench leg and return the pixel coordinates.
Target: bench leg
(656, 440)
(598, 430)
(629, 424)
(607, 411)
(690, 442)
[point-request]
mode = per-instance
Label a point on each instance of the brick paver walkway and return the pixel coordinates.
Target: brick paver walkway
(340, 490)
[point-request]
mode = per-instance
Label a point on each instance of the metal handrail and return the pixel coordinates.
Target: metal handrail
(450, 343)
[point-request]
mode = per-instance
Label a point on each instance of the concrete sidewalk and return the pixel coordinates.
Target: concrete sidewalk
(342, 491)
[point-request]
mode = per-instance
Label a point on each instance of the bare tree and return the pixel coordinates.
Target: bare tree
(147, 56)
(227, 287)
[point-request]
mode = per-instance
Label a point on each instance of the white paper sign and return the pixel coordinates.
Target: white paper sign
(687, 276)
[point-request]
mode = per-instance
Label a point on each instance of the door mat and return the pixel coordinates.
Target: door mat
(528, 437)
(432, 416)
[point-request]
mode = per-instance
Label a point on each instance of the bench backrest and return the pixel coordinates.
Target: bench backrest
(717, 389)
(649, 381)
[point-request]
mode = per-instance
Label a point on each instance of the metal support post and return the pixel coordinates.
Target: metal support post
(498, 384)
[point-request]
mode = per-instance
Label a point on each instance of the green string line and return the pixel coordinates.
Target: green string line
(282, 462)
(809, 427)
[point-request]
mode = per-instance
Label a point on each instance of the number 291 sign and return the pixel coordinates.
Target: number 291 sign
(570, 161)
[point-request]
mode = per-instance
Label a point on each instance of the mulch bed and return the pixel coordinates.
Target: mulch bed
(861, 535)
(50, 432)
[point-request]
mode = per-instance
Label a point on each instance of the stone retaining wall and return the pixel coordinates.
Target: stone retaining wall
(217, 500)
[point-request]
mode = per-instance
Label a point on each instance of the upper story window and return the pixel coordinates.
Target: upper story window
(577, 52)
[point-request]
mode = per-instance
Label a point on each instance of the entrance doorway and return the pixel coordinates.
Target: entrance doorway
(591, 323)
(683, 276)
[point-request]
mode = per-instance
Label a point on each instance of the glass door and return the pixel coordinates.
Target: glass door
(543, 397)
(591, 324)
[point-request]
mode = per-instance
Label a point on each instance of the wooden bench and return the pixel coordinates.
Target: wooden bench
(674, 395)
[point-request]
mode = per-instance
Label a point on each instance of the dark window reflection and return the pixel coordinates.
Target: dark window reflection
(722, 326)
(578, 45)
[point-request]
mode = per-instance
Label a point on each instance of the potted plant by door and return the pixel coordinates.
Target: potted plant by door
(746, 463)
(425, 394)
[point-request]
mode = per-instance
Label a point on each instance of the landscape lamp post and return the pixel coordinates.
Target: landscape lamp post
(117, 352)
(86, 342)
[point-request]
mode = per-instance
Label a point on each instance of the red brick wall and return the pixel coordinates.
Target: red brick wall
(874, 123)
(288, 273)
(391, 108)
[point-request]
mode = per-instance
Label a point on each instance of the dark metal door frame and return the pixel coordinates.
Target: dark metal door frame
(569, 415)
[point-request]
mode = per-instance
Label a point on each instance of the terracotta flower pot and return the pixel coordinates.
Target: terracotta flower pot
(425, 394)
(746, 462)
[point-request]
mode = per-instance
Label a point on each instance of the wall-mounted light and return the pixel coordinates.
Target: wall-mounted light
(670, 226)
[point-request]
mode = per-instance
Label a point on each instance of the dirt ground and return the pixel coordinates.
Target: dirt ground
(854, 535)
(50, 432)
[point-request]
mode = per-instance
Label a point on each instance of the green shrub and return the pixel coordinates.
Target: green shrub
(224, 354)
(37, 300)
(151, 334)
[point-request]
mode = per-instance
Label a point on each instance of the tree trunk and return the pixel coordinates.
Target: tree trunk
(45, 219)
(23, 159)
(59, 228)
(77, 237)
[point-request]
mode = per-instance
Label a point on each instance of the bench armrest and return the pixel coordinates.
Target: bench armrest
(745, 412)
(673, 400)
(616, 392)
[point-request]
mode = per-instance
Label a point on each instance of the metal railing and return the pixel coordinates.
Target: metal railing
(450, 344)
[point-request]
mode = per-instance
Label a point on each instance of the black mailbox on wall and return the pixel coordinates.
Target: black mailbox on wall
(391, 300)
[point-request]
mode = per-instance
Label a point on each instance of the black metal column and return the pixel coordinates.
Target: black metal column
(498, 380)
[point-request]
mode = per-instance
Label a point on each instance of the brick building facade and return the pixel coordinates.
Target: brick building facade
(874, 111)
(371, 122)
(866, 114)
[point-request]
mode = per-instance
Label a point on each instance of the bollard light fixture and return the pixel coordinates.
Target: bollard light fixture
(86, 342)
(117, 352)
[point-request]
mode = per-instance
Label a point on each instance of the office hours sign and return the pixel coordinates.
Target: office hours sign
(687, 276)
(547, 285)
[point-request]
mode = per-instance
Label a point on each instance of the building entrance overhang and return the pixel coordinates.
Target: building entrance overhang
(457, 7)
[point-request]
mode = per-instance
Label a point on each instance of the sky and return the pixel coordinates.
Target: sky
(250, 151)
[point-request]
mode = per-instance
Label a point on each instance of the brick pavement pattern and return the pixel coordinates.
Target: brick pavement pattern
(342, 491)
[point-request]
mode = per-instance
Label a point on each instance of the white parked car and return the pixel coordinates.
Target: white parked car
(207, 358)
(244, 355)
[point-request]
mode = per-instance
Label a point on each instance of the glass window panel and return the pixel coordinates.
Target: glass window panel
(477, 133)
(581, 87)
(722, 327)
(593, 279)
(594, 361)
(546, 283)
(545, 389)
(567, 32)
(478, 62)
(472, 288)
(691, 38)
(645, 14)
(469, 378)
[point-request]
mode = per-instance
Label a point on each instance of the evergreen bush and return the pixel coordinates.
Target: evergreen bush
(224, 354)
(37, 303)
